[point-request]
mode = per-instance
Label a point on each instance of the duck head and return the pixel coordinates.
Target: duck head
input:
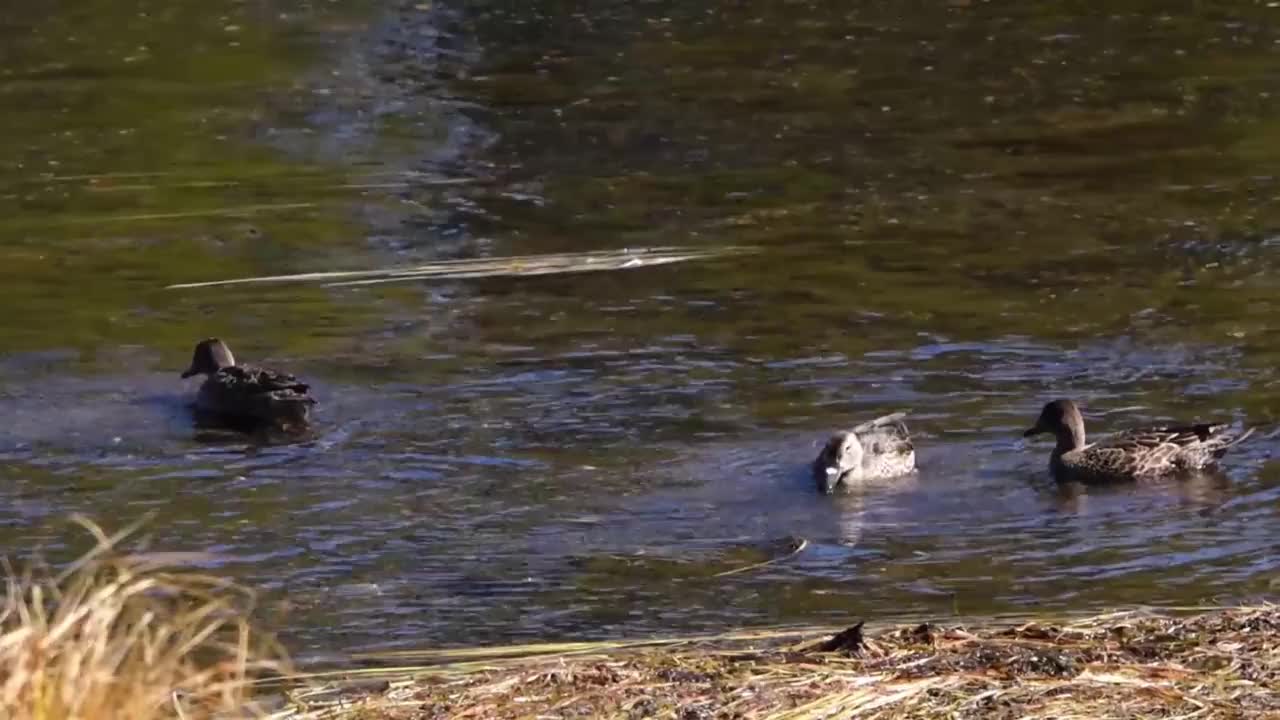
(210, 356)
(841, 455)
(1063, 419)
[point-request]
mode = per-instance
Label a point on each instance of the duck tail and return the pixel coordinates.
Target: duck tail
(1240, 438)
(1229, 442)
(891, 419)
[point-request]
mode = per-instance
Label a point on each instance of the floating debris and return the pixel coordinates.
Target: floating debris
(514, 266)
(849, 640)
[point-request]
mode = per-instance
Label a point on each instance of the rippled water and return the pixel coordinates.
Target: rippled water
(961, 209)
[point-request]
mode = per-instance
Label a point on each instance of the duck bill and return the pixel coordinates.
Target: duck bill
(830, 480)
(1034, 430)
(189, 372)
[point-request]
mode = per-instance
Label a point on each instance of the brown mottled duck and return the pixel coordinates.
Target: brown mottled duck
(1132, 454)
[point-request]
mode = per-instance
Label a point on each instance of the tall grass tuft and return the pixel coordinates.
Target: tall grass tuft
(119, 635)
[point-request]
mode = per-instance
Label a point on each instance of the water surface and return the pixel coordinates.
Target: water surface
(962, 209)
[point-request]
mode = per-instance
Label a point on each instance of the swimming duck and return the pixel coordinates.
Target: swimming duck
(879, 448)
(1132, 454)
(245, 393)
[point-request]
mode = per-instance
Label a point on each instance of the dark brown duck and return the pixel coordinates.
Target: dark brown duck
(247, 393)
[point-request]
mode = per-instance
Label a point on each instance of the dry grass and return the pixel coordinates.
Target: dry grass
(119, 635)
(1222, 663)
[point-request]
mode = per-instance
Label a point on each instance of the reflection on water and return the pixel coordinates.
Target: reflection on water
(962, 210)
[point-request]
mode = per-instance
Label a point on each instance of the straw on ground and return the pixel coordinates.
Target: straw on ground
(1223, 663)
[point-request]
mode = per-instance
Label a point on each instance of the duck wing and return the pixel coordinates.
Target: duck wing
(259, 394)
(1165, 448)
(253, 380)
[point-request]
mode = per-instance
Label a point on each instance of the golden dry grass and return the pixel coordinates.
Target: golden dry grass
(127, 636)
(1223, 663)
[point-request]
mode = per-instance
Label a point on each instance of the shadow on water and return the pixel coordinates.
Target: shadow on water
(963, 209)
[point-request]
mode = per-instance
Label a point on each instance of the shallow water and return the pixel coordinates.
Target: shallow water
(961, 209)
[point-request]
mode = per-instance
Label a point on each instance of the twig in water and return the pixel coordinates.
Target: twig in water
(798, 549)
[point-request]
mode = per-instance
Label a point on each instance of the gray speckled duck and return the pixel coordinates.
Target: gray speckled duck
(1132, 454)
(244, 393)
(879, 448)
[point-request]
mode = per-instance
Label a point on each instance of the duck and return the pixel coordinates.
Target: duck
(246, 393)
(1130, 455)
(876, 449)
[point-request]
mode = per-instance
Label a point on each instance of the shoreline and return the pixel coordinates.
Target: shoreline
(1183, 662)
